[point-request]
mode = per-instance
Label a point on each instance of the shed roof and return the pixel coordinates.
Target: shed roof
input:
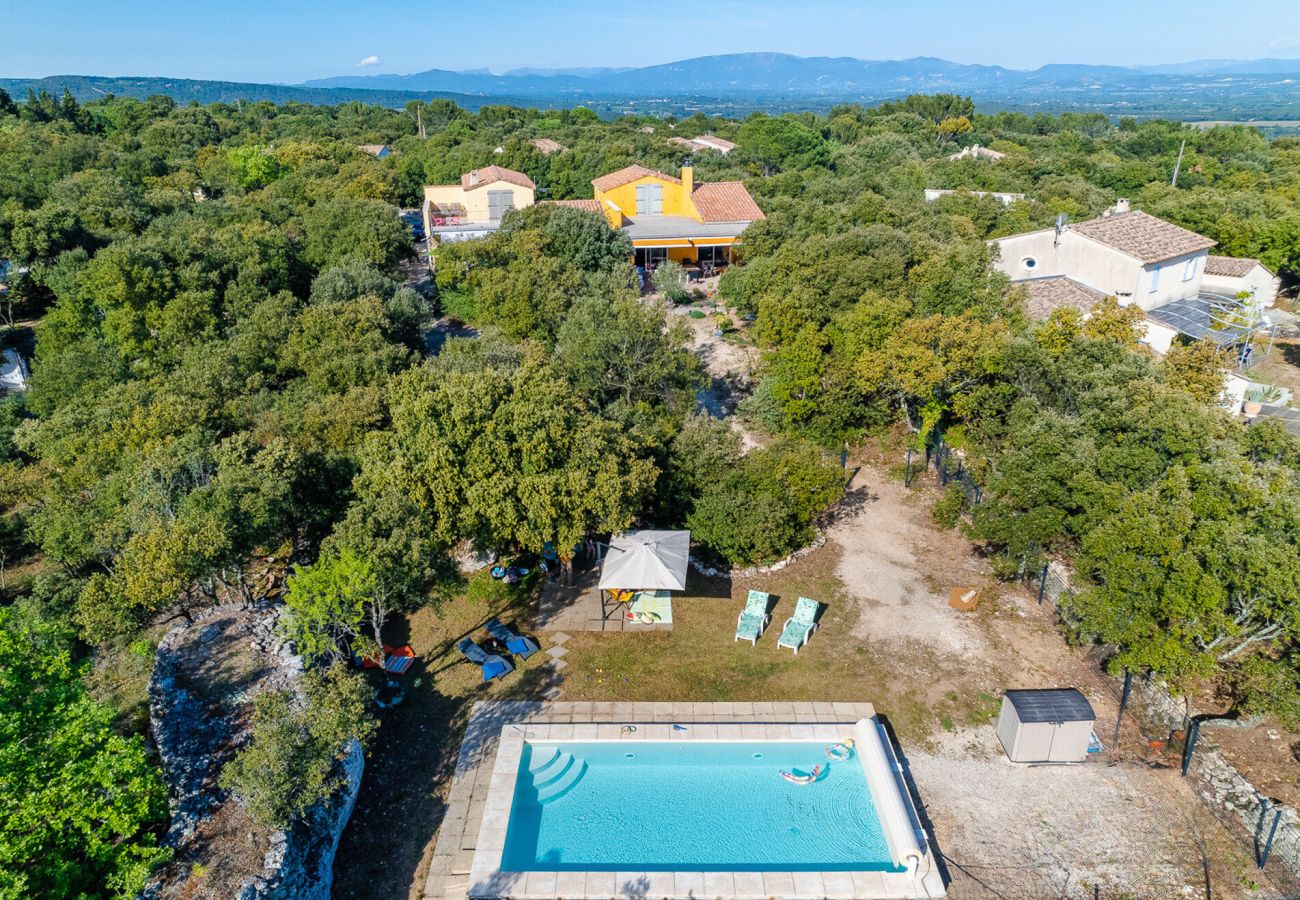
(1231, 266)
(491, 175)
(1051, 705)
(1143, 236)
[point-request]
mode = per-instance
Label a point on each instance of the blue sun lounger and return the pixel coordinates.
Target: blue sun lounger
(493, 665)
(753, 618)
(515, 643)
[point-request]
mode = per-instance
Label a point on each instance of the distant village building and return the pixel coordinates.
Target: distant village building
(647, 129)
(379, 151)
(705, 142)
(475, 207)
(1003, 197)
(975, 151)
(546, 146)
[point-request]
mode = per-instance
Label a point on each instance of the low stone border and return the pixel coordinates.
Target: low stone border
(751, 571)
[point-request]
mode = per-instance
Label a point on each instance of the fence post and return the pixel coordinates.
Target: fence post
(1042, 583)
(1193, 732)
(1272, 833)
(844, 456)
(907, 471)
(1123, 705)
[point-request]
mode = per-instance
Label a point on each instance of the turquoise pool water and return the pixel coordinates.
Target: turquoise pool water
(690, 806)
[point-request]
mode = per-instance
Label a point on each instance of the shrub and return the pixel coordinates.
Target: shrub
(948, 508)
(669, 280)
(290, 763)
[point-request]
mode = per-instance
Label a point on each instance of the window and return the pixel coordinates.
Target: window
(1155, 280)
(1028, 263)
(649, 199)
(498, 203)
(1189, 270)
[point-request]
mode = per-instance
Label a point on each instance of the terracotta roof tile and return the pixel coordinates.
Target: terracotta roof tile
(546, 145)
(1230, 266)
(1045, 295)
(726, 201)
(1143, 236)
(492, 174)
(717, 143)
(627, 176)
(587, 205)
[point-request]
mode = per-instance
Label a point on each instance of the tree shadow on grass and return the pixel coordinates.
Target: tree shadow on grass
(412, 758)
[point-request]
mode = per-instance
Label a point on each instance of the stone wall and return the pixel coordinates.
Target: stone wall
(195, 741)
(1225, 790)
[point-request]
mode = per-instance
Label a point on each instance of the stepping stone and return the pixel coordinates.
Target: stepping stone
(552, 693)
(556, 665)
(556, 652)
(559, 638)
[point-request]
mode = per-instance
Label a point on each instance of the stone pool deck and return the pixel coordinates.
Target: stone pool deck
(469, 822)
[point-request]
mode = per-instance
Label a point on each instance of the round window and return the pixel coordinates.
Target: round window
(1028, 263)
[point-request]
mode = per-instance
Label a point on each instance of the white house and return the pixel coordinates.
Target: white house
(705, 142)
(1004, 197)
(1128, 254)
(1235, 275)
(975, 151)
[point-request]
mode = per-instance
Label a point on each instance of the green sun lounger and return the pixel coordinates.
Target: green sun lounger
(753, 618)
(799, 627)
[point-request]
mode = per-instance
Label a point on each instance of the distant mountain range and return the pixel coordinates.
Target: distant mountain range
(782, 74)
(737, 84)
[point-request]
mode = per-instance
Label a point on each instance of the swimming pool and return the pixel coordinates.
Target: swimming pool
(691, 806)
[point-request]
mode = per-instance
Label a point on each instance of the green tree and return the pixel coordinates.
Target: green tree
(331, 604)
(80, 805)
(780, 143)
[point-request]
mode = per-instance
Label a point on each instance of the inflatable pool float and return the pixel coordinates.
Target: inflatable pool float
(840, 752)
(803, 779)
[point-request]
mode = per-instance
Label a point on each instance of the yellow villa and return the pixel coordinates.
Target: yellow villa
(671, 218)
(474, 208)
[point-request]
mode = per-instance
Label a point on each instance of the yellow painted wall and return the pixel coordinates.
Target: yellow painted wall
(677, 201)
(475, 201)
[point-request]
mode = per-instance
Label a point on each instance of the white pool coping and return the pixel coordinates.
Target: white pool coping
(921, 878)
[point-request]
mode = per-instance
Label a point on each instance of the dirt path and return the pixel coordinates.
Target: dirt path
(731, 368)
(1117, 824)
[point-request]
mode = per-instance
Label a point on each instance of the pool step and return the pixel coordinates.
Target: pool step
(562, 781)
(542, 759)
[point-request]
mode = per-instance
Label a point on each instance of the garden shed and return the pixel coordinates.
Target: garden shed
(1051, 725)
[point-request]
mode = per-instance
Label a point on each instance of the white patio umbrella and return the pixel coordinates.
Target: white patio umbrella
(646, 561)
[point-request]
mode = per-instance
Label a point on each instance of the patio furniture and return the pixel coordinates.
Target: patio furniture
(398, 659)
(493, 666)
(644, 561)
(799, 627)
(515, 643)
(754, 617)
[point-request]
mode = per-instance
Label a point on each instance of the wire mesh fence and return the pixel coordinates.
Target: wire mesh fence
(950, 467)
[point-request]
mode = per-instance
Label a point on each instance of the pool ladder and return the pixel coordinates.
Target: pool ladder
(555, 773)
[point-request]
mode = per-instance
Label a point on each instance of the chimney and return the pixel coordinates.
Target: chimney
(688, 177)
(1121, 205)
(473, 178)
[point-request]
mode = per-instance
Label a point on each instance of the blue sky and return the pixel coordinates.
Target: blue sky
(293, 40)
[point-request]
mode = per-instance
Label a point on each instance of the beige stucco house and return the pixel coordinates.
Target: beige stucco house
(1234, 275)
(1128, 254)
(1156, 265)
(475, 207)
